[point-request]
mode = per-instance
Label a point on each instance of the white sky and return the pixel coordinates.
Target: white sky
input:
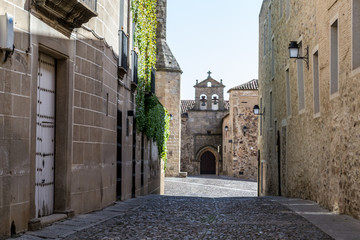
(220, 36)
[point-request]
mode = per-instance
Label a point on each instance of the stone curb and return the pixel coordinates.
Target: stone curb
(65, 228)
(339, 227)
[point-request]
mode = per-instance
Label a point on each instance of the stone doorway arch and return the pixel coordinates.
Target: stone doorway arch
(209, 160)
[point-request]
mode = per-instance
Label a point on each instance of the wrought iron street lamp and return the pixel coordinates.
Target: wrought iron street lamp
(256, 110)
(294, 52)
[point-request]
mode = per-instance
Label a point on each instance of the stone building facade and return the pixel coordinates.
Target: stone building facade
(239, 142)
(167, 89)
(68, 143)
(308, 130)
(204, 142)
(201, 135)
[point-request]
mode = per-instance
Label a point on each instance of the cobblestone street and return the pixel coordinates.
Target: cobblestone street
(192, 208)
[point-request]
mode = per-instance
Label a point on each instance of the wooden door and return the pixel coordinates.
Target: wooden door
(207, 163)
(45, 137)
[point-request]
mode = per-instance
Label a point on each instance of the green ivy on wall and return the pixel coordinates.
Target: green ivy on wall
(151, 117)
(157, 125)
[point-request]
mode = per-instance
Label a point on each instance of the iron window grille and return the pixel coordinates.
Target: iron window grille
(124, 51)
(135, 67)
(123, 55)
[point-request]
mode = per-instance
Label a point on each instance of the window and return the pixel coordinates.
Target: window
(107, 104)
(288, 97)
(123, 17)
(127, 127)
(261, 119)
(153, 80)
(209, 84)
(269, 25)
(90, 3)
(271, 108)
(135, 67)
(300, 75)
(356, 34)
(334, 58)
(316, 82)
(264, 38)
(287, 11)
(123, 56)
(272, 59)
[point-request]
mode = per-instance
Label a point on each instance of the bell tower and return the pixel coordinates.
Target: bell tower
(209, 94)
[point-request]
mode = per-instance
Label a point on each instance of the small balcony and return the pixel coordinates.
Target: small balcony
(65, 15)
(123, 55)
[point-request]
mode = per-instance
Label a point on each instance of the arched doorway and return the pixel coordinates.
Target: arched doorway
(207, 163)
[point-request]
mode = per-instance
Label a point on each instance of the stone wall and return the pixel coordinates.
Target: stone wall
(240, 140)
(201, 129)
(307, 154)
(89, 94)
(167, 89)
(168, 92)
(15, 119)
(216, 88)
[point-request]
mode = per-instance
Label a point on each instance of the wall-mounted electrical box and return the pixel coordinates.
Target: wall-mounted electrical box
(6, 32)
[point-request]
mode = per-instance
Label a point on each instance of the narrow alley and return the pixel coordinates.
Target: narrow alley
(200, 208)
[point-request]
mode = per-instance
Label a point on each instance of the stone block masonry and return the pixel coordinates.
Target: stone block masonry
(309, 148)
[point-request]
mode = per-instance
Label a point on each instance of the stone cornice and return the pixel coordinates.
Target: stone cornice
(63, 15)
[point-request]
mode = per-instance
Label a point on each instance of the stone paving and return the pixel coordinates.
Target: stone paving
(192, 208)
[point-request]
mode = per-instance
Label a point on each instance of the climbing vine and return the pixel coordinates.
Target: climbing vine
(157, 126)
(151, 117)
(144, 13)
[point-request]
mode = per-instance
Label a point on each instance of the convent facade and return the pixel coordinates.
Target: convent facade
(218, 136)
